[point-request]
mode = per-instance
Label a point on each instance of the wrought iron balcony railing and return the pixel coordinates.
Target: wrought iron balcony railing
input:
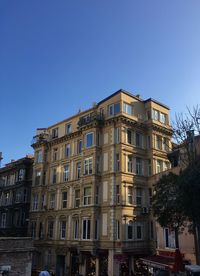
(42, 137)
(94, 116)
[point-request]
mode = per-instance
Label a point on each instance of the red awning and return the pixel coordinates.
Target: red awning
(174, 263)
(159, 262)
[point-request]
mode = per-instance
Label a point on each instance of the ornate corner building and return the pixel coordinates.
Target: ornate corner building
(91, 202)
(15, 193)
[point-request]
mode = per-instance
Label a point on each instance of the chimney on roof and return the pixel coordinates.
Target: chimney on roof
(138, 96)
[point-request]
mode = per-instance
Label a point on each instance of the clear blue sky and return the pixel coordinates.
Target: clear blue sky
(57, 56)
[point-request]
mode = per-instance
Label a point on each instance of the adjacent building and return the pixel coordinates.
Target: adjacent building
(15, 189)
(91, 199)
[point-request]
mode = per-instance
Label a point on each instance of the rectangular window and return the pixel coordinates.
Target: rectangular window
(25, 195)
(68, 128)
(89, 139)
(165, 166)
(50, 229)
(130, 230)
(128, 108)
(43, 201)
(66, 173)
(55, 132)
(113, 109)
(21, 174)
(139, 196)
(165, 144)
(149, 167)
(155, 114)
(96, 230)
(148, 142)
(129, 136)
(67, 151)
(33, 229)
(88, 166)
(87, 196)
(76, 229)
(38, 156)
(139, 170)
(117, 135)
(158, 142)
(118, 229)
(37, 177)
(169, 237)
(41, 231)
(77, 198)
(158, 166)
(130, 163)
(54, 176)
(151, 230)
(3, 220)
(79, 146)
(163, 118)
(150, 196)
(86, 229)
(63, 229)
(117, 162)
(64, 200)
(78, 170)
(17, 198)
(130, 195)
(52, 201)
(138, 232)
(35, 202)
(55, 154)
(117, 194)
(138, 140)
(98, 164)
(97, 195)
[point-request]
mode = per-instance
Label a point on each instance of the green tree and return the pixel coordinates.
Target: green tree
(167, 207)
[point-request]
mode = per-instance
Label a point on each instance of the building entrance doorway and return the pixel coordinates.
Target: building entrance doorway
(60, 265)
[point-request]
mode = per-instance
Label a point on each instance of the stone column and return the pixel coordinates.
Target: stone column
(97, 266)
(111, 262)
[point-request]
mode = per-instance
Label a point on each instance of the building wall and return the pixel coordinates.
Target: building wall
(15, 189)
(16, 255)
(114, 195)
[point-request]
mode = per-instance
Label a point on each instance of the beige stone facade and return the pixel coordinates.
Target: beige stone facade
(91, 201)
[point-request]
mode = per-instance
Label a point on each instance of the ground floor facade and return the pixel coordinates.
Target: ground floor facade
(72, 261)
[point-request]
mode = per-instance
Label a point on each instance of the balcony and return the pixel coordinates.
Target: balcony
(90, 118)
(42, 137)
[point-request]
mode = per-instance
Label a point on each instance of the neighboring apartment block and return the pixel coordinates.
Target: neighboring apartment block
(15, 189)
(90, 206)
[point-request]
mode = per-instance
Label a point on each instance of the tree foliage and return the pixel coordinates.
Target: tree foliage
(167, 207)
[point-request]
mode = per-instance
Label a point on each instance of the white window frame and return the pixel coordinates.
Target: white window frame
(126, 107)
(63, 229)
(86, 140)
(64, 200)
(87, 234)
(66, 172)
(68, 128)
(88, 166)
(130, 195)
(87, 198)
